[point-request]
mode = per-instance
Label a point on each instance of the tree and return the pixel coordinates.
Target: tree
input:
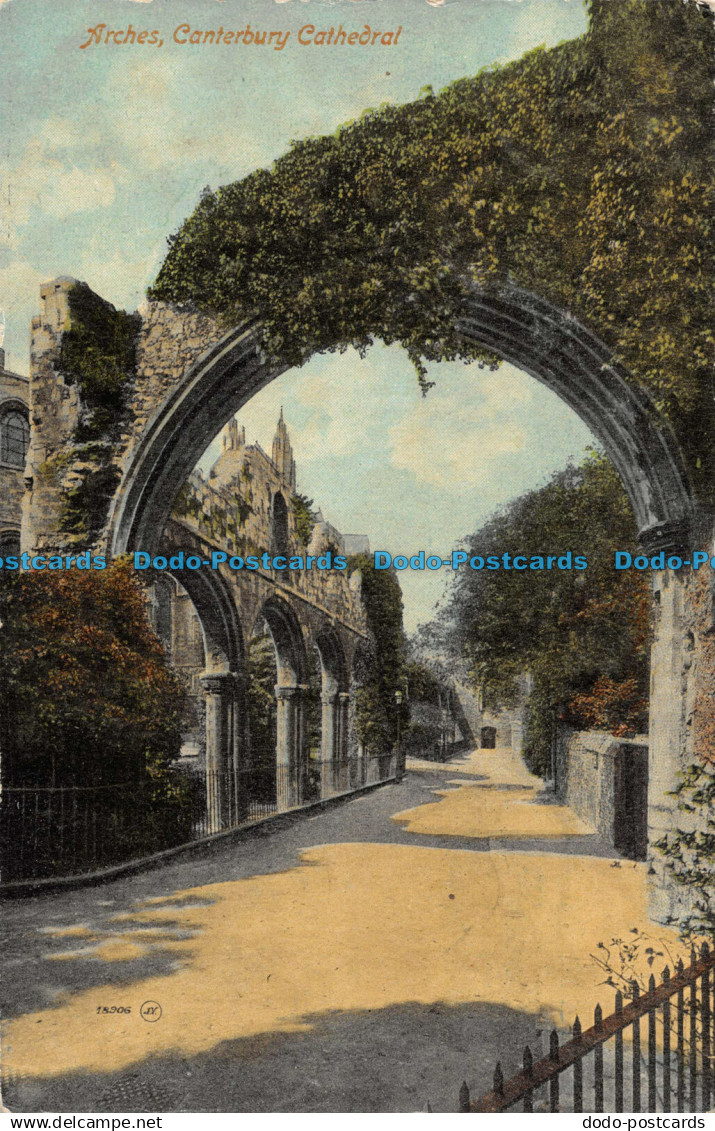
(305, 517)
(583, 634)
(87, 696)
(92, 717)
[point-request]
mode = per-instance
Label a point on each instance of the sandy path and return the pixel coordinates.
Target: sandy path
(353, 929)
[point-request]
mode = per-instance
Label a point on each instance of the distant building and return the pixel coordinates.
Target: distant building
(14, 442)
(504, 726)
(247, 504)
(267, 485)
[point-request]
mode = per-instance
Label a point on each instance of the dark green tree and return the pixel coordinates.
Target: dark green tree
(304, 517)
(583, 635)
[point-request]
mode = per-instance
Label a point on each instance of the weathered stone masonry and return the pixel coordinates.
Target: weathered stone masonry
(304, 611)
(192, 377)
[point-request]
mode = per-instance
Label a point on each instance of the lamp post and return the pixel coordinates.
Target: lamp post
(398, 703)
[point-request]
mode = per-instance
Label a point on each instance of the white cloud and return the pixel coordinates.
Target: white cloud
(167, 125)
(48, 179)
(337, 417)
(480, 431)
(20, 297)
(115, 276)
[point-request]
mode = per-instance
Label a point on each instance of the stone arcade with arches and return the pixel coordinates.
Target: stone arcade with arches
(192, 376)
(244, 507)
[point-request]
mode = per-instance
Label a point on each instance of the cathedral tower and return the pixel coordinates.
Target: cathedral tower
(283, 454)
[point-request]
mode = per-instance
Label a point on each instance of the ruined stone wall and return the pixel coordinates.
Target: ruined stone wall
(51, 470)
(168, 342)
(682, 697)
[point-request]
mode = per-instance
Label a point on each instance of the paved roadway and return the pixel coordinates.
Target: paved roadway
(346, 963)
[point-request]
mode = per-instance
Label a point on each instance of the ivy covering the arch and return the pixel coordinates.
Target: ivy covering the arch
(582, 173)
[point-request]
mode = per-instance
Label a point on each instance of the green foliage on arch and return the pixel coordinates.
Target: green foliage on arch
(582, 173)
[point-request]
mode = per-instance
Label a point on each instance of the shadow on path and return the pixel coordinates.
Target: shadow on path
(396, 1059)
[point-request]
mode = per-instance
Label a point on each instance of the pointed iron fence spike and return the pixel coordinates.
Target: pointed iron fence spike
(635, 990)
(528, 1060)
(554, 1045)
(428, 1107)
(619, 1002)
(666, 975)
(598, 1016)
(680, 968)
(498, 1080)
(692, 956)
(705, 950)
(651, 984)
(464, 1096)
(576, 1030)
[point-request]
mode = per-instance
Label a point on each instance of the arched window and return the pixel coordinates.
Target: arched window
(9, 543)
(280, 532)
(14, 438)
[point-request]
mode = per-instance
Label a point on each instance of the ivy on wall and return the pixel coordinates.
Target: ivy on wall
(582, 173)
(380, 672)
(304, 516)
(98, 354)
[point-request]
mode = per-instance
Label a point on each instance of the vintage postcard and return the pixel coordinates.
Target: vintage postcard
(357, 572)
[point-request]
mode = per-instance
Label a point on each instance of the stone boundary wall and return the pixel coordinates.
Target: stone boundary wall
(590, 779)
(596, 785)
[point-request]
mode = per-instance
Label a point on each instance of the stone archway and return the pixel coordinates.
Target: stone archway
(191, 379)
(292, 668)
(529, 332)
(224, 685)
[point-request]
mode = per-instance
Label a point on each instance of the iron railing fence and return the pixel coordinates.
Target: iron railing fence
(71, 830)
(667, 1068)
(64, 830)
(225, 800)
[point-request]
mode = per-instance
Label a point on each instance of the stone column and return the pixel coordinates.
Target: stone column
(670, 724)
(328, 744)
(362, 764)
(681, 722)
(239, 749)
(219, 689)
(288, 736)
(341, 743)
(300, 743)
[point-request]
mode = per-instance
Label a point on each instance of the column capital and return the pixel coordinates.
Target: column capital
(329, 697)
(218, 683)
(287, 692)
(343, 696)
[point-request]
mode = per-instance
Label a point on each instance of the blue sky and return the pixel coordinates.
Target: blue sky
(105, 151)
